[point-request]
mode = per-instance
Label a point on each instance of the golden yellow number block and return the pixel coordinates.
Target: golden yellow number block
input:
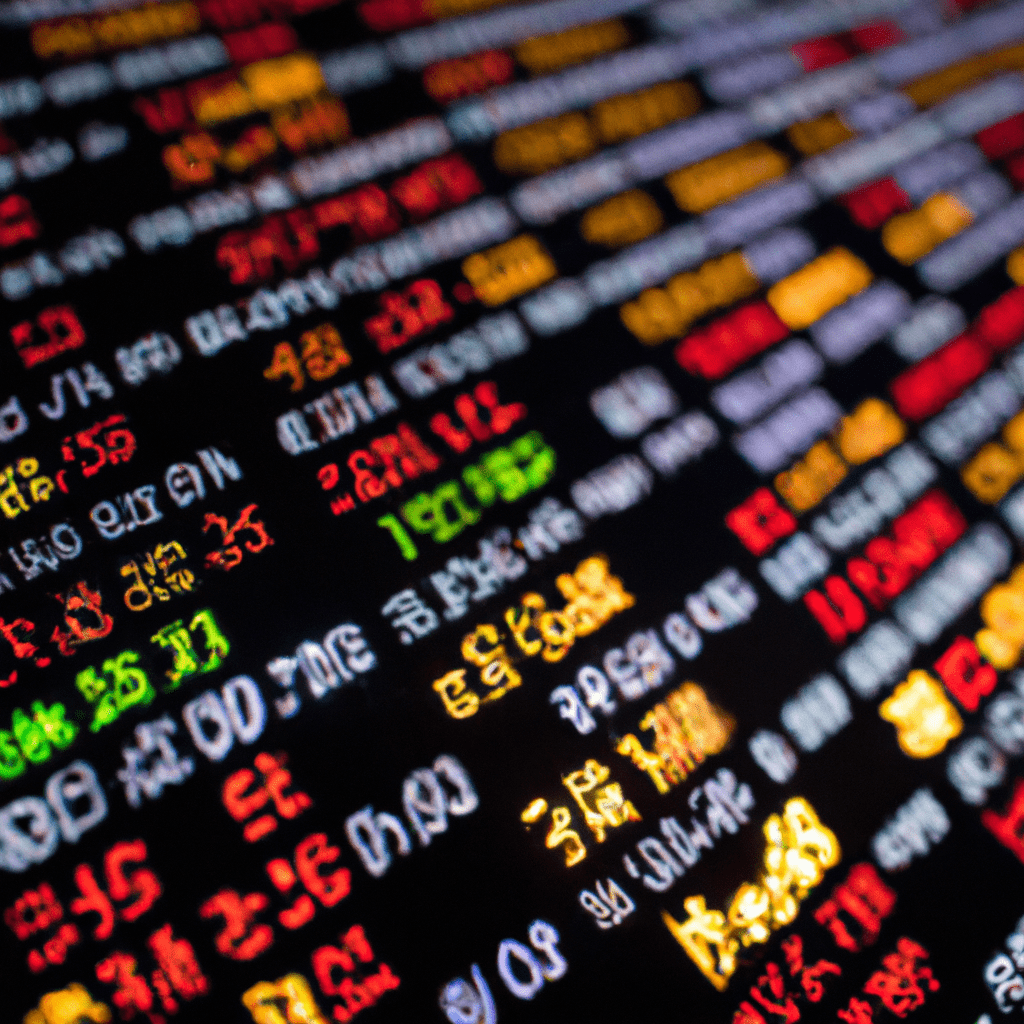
(621, 220)
(708, 940)
(593, 594)
(750, 913)
(264, 1001)
(544, 54)
(662, 313)
(560, 831)
(459, 700)
(609, 808)
(995, 469)
(702, 185)
(909, 236)
(687, 728)
(991, 473)
(544, 145)
(1015, 265)
(809, 293)
(496, 669)
(869, 431)
(810, 479)
(799, 850)
(624, 117)
(925, 719)
(818, 134)
(282, 80)
(509, 269)
(71, 1005)
(707, 725)
(662, 773)
(1002, 611)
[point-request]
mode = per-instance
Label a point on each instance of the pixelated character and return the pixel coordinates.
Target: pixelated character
(179, 972)
(310, 855)
(357, 995)
(411, 615)
(33, 911)
(760, 521)
(663, 772)
(810, 977)
(133, 993)
(924, 717)
(264, 1001)
(175, 637)
(468, 1004)
(610, 809)
(141, 884)
(55, 948)
(230, 554)
(12, 497)
(243, 797)
(800, 849)
(240, 938)
(81, 599)
(706, 725)
(750, 913)
(139, 596)
(901, 984)
(71, 1005)
(866, 898)
(708, 940)
(118, 445)
(118, 688)
(964, 673)
(1008, 828)
(593, 594)
(368, 212)
(361, 995)
(560, 831)
(152, 762)
(283, 878)
(17, 634)
(858, 1012)
(746, 1014)
(481, 647)
(777, 1001)
(420, 307)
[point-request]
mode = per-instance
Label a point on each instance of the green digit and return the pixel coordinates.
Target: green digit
(186, 663)
(131, 685)
(445, 529)
(12, 764)
(94, 689)
(59, 732)
(479, 483)
(31, 737)
(400, 536)
(541, 467)
(216, 642)
(397, 531)
(90, 684)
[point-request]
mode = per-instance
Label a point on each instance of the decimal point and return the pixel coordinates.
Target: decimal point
(535, 810)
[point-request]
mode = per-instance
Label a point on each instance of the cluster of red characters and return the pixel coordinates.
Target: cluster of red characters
(388, 461)
(286, 241)
(853, 914)
(130, 891)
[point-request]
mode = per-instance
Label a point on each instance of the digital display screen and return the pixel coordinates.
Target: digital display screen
(511, 512)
